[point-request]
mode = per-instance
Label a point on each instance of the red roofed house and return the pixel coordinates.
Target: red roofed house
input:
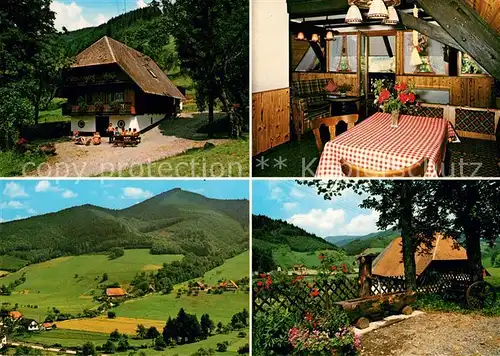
(110, 83)
(116, 292)
(14, 314)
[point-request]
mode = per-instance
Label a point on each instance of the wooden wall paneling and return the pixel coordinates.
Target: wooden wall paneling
(270, 119)
(400, 66)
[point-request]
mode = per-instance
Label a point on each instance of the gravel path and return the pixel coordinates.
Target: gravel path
(436, 334)
(85, 161)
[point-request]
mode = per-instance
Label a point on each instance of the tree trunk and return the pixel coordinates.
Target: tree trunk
(472, 234)
(409, 245)
(37, 101)
(210, 114)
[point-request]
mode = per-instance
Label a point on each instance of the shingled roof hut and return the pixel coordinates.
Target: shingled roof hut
(445, 255)
(110, 82)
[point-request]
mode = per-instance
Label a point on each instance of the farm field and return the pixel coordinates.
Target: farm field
(104, 325)
(69, 283)
(73, 338)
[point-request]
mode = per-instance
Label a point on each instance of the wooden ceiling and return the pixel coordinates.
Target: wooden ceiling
(489, 10)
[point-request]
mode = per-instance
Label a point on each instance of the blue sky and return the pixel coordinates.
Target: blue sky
(302, 206)
(77, 14)
(24, 198)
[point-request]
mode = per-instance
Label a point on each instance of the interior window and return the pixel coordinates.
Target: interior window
(469, 66)
(432, 53)
(343, 54)
(382, 54)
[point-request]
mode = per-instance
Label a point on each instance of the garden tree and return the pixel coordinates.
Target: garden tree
(111, 314)
(185, 328)
(50, 61)
(212, 45)
(470, 209)
(141, 331)
(239, 320)
(16, 111)
(160, 344)
(262, 259)
(116, 252)
(206, 325)
(88, 349)
(115, 335)
(123, 345)
(219, 327)
(104, 277)
(402, 205)
(152, 333)
(109, 347)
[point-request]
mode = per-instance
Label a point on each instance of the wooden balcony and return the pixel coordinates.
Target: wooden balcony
(124, 109)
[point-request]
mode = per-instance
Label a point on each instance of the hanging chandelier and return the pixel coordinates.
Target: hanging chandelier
(383, 10)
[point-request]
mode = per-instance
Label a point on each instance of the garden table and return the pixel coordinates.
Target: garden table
(373, 144)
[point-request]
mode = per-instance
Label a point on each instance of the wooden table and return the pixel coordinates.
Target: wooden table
(373, 144)
(344, 100)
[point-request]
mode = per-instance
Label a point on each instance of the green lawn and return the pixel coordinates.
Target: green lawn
(286, 258)
(225, 160)
(54, 115)
(235, 268)
(220, 307)
(53, 283)
(72, 338)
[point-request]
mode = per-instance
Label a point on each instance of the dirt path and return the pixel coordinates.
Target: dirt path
(436, 334)
(84, 161)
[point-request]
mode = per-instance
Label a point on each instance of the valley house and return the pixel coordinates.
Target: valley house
(110, 83)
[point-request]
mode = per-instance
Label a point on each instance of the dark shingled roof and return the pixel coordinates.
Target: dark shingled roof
(142, 69)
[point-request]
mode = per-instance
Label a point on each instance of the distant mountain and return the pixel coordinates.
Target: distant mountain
(176, 221)
(354, 245)
(280, 232)
(342, 240)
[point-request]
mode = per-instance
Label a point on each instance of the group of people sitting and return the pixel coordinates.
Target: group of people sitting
(87, 140)
(115, 132)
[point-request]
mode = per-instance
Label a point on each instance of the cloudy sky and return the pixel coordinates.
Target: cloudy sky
(76, 14)
(302, 206)
(24, 198)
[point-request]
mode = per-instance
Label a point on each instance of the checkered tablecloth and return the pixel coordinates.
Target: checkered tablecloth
(373, 144)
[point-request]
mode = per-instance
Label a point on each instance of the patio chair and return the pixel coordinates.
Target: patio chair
(416, 170)
(331, 123)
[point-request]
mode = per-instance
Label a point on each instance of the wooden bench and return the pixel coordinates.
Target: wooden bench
(126, 140)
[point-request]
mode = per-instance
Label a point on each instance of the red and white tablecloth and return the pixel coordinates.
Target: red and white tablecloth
(373, 144)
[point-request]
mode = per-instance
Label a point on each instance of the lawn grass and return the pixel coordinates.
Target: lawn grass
(286, 258)
(224, 160)
(220, 307)
(233, 269)
(73, 338)
(53, 283)
(54, 115)
(13, 164)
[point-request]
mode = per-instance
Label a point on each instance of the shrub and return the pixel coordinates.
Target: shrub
(111, 315)
(270, 331)
(242, 334)
(245, 349)
(88, 349)
(222, 346)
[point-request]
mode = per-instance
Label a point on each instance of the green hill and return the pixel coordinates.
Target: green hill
(174, 222)
(376, 240)
(279, 243)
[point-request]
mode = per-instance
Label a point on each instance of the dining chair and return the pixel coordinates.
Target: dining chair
(416, 170)
(331, 123)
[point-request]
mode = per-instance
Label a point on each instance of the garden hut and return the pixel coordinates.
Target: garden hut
(325, 57)
(111, 83)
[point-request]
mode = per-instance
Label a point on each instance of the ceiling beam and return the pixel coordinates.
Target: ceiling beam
(432, 31)
(468, 29)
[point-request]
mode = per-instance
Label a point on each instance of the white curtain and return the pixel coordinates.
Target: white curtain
(352, 52)
(335, 53)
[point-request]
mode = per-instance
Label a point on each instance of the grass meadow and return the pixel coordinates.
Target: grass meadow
(69, 283)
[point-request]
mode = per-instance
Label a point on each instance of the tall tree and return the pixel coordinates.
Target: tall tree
(470, 209)
(212, 44)
(206, 325)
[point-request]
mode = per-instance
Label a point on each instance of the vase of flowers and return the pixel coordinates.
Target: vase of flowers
(394, 100)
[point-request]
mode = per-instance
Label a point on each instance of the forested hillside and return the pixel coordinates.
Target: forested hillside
(379, 239)
(141, 29)
(176, 221)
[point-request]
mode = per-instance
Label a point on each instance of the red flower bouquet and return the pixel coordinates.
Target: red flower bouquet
(396, 101)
